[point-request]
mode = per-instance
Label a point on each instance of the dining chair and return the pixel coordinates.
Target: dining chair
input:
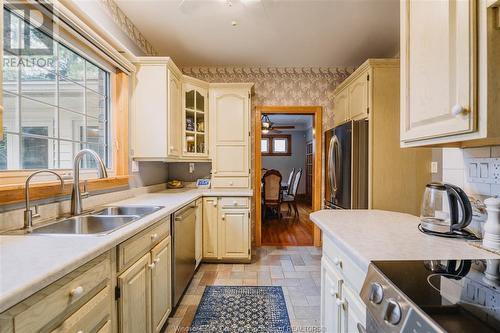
(291, 197)
(286, 188)
(272, 196)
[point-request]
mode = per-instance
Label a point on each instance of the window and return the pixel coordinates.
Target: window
(54, 104)
(276, 145)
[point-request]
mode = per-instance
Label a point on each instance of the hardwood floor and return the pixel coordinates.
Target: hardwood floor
(290, 231)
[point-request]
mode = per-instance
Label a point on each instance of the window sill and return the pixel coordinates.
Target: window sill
(10, 194)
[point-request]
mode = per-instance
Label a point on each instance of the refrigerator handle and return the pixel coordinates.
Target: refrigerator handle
(334, 159)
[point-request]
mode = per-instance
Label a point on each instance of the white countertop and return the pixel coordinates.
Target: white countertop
(367, 235)
(29, 263)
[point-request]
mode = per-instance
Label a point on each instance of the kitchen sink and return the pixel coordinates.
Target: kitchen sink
(128, 210)
(85, 225)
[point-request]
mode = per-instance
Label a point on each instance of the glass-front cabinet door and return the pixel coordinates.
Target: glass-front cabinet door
(195, 121)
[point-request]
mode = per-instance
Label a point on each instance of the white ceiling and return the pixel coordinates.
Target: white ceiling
(301, 122)
(268, 32)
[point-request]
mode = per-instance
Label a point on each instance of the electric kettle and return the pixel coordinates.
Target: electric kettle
(446, 210)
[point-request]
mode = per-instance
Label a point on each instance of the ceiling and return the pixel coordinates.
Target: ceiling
(301, 122)
(268, 32)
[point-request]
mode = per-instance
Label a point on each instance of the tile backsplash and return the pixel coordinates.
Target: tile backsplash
(456, 171)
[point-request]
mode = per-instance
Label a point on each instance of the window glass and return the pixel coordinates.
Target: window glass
(279, 145)
(54, 104)
(264, 145)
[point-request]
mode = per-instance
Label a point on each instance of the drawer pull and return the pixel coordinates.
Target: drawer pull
(151, 266)
(223, 217)
(157, 260)
(235, 203)
(154, 237)
(231, 183)
(337, 261)
(457, 109)
(77, 292)
(332, 291)
(339, 302)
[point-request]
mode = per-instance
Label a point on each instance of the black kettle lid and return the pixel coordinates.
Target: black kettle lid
(436, 186)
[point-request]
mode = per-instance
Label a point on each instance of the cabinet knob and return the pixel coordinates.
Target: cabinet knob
(457, 109)
(339, 302)
(152, 265)
(171, 147)
(77, 292)
(337, 261)
(157, 260)
(231, 183)
(154, 237)
(235, 203)
(223, 217)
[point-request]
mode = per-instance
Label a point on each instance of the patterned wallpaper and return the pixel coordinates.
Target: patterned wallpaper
(127, 26)
(297, 86)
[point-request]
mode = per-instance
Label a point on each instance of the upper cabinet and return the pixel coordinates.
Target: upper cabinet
(157, 114)
(450, 73)
(195, 117)
(230, 134)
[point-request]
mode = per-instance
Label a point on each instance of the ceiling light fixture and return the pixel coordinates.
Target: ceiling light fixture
(265, 123)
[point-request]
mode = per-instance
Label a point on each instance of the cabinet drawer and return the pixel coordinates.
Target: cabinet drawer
(45, 308)
(90, 317)
(231, 202)
(237, 182)
(134, 248)
(351, 273)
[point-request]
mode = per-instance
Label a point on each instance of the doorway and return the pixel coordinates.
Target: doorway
(288, 153)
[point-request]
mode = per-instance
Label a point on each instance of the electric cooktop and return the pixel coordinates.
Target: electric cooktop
(433, 296)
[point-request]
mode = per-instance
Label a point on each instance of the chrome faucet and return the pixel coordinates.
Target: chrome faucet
(28, 214)
(76, 195)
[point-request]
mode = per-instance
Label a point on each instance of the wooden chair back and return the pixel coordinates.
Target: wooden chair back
(272, 186)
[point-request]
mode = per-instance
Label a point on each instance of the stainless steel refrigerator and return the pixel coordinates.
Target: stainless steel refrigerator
(346, 166)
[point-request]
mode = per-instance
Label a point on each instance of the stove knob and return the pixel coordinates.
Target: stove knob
(376, 293)
(393, 312)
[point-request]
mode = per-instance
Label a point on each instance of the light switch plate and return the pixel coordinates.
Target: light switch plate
(434, 167)
(483, 170)
(135, 166)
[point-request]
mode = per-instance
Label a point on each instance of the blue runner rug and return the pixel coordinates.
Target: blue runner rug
(228, 309)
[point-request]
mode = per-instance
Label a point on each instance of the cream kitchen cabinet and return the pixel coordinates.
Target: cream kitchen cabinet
(195, 118)
(81, 301)
(331, 284)
(226, 229)
(450, 73)
(199, 232)
(157, 110)
(341, 107)
(230, 134)
(144, 287)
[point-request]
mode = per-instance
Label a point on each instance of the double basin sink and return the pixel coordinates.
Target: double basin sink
(99, 222)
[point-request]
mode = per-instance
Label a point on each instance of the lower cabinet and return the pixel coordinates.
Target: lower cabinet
(226, 229)
(145, 300)
(199, 231)
(342, 311)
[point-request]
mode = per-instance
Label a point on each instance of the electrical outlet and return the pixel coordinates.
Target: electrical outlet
(495, 170)
(135, 166)
(191, 167)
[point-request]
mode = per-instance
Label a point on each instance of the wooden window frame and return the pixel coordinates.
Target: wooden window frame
(271, 137)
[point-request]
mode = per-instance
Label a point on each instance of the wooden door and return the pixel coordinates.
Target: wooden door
(134, 307)
(210, 228)
(199, 231)
(438, 68)
(234, 234)
(341, 107)
(358, 97)
(353, 311)
(309, 171)
(161, 286)
(331, 284)
(175, 116)
(230, 135)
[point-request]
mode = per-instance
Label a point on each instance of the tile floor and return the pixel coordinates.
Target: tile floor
(296, 269)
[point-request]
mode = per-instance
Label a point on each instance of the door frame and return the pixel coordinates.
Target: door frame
(316, 112)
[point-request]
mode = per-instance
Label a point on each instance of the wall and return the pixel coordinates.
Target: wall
(180, 171)
(454, 169)
(285, 164)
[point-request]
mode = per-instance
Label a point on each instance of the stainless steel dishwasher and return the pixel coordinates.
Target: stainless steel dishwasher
(183, 254)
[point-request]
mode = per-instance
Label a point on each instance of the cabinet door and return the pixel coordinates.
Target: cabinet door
(134, 306)
(175, 116)
(353, 311)
(210, 228)
(331, 284)
(341, 107)
(199, 231)
(358, 97)
(234, 233)
(230, 134)
(161, 286)
(438, 68)
(195, 117)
